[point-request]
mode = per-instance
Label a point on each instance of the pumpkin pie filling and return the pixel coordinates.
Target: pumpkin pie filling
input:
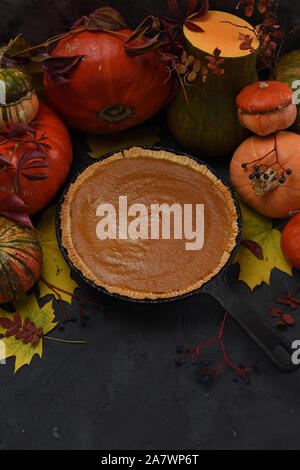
(148, 268)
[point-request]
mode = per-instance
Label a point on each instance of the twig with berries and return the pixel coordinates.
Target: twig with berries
(264, 176)
(204, 368)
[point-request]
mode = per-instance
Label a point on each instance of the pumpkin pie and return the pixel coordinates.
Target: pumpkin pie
(156, 267)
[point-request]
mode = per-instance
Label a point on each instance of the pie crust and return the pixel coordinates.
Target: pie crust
(137, 152)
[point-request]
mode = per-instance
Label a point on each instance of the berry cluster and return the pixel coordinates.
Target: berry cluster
(261, 171)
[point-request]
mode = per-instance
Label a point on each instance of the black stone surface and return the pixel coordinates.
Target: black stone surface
(122, 390)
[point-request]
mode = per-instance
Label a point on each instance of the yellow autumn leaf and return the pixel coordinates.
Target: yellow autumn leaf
(54, 269)
(27, 307)
(144, 134)
(258, 228)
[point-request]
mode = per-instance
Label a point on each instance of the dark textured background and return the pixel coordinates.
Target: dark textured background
(122, 390)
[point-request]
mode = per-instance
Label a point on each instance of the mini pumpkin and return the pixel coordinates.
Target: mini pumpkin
(20, 259)
(266, 107)
(18, 100)
(265, 172)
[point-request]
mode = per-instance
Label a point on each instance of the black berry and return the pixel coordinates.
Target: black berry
(252, 176)
(289, 172)
(266, 177)
(244, 165)
(178, 362)
(86, 316)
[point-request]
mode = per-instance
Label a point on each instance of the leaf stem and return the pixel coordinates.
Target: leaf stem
(64, 340)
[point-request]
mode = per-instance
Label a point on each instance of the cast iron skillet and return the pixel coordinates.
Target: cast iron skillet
(218, 287)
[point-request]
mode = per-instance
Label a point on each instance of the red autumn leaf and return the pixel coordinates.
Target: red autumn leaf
(254, 247)
(39, 331)
(26, 323)
(17, 320)
(137, 34)
(280, 324)
(276, 312)
(146, 47)
(35, 339)
(191, 7)
(193, 27)
(12, 331)
(27, 339)
(6, 322)
(288, 319)
(174, 8)
(20, 334)
(14, 208)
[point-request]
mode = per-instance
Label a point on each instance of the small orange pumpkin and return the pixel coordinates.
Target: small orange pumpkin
(266, 107)
(290, 241)
(265, 172)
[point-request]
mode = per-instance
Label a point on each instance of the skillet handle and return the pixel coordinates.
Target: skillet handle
(253, 324)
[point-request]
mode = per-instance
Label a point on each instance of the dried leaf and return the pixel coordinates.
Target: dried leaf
(137, 34)
(193, 27)
(259, 229)
(16, 44)
(27, 307)
(108, 18)
(14, 208)
(254, 247)
(54, 268)
(174, 8)
(288, 319)
(146, 47)
(191, 7)
(102, 18)
(59, 67)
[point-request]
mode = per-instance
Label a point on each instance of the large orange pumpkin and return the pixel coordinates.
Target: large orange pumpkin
(36, 182)
(275, 199)
(109, 90)
(20, 259)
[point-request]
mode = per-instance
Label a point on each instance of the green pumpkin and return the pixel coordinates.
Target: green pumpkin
(209, 124)
(18, 100)
(288, 71)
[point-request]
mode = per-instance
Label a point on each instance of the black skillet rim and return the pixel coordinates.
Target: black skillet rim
(102, 290)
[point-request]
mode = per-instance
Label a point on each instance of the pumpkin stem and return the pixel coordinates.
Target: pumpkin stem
(262, 185)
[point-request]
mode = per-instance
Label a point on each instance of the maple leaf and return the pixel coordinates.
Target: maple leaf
(27, 308)
(102, 145)
(54, 268)
(258, 228)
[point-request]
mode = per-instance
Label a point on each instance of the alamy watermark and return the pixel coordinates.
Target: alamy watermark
(138, 222)
(2, 352)
(296, 94)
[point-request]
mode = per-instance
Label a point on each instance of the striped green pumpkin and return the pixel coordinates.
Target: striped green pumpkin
(20, 259)
(18, 100)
